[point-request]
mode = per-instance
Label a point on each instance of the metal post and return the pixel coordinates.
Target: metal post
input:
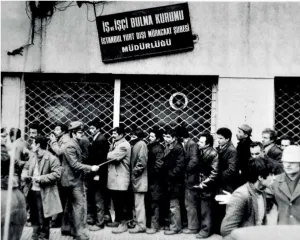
(117, 98)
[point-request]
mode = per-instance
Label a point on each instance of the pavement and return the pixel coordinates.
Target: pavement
(106, 234)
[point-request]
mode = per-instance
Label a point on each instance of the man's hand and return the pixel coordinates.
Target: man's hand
(200, 186)
(26, 178)
(95, 168)
(36, 179)
(223, 199)
(52, 137)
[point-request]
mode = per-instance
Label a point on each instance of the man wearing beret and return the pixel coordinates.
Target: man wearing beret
(73, 223)
(243, 149)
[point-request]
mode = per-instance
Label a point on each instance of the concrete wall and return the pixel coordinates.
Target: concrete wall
(235, 40)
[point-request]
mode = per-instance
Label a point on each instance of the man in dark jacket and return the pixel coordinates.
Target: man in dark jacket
(174, 180)
(208, 167)
(247, 204)
(243, 150)
(191, 163)
(96, 182)
(228, 172)
(139, 178)
(155, 178)
(270, 148)
(41, 173)
(72, 181)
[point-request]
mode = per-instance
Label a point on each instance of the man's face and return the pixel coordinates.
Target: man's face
(57, 131)
(169, 139)
(152, 137)
(291, 167)
(93, 130)
(221, 140)
(33, 133)
(256, 152)
(78, 135)
(285, 143)
(267, 182)
(266, 139)
(241, 135)
(3, 140)
(202, 142)
(116, 136)
(34, 147)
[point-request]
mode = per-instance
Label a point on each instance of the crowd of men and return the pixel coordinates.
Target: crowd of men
(162, 180)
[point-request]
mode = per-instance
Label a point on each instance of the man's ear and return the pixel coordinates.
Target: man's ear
(38, 145)
(260, 178)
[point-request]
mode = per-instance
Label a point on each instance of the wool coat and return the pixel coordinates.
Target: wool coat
(243, 155)
(98, 150)
(208, 172)
(20, 157)
(242, 209)
(288, 204)
(275, 153)
(73, 169)
(155, 169)
(50, 172)
(228, 171)
(139, 172)
(191, 162)
(119, 170)
(174, 170)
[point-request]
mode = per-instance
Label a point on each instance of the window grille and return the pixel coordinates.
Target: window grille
(145, 103)
(52, 102)
(287, 107)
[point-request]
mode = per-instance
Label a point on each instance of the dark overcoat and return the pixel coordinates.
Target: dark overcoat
(50, 172)
(155, 169)
(275, 153)
(174, 168)
(98, 154)
(228, 171)
(191, 162)
(243, 155)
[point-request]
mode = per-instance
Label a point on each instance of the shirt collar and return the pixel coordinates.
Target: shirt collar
(95, 137)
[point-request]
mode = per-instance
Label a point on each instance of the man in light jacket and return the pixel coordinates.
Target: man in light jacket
(41, 173)
(119, 177)
(139, 178)
(247, 205)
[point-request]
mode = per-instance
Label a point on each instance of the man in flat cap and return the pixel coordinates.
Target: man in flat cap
(73, 223)
(243, 150)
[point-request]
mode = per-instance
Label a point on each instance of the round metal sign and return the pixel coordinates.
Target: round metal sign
(178, 101)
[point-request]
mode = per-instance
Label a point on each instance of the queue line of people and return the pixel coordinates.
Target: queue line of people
(169, 183)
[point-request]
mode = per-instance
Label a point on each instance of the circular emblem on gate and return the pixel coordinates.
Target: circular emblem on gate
(178, 101)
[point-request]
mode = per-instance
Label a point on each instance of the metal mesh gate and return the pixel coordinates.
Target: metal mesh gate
(287, 107)
(145, 103)
(52, 102)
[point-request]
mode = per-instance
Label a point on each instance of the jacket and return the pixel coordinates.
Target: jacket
(139, 172)
(84, 144)
(275, 153)
(208, 171)
(191, 162)
(243, 155)
(155, 169)
(119, 170)
(228, 172)
(174, 170)
(98, 150)
(50, 172)
(73, 169)
(20, 157)
(288, 204)
(242, 209)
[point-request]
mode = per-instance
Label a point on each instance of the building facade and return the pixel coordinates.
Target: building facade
(244, 68)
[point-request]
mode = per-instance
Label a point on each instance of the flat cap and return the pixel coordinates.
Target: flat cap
(75, 125)
(246, 128)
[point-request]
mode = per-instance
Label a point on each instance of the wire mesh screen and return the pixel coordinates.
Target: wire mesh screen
(148, 103)
(287, 107)
(62, 102)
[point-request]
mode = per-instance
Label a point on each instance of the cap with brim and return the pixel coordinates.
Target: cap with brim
(77, 125)
(291, 154)
(246, 128)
